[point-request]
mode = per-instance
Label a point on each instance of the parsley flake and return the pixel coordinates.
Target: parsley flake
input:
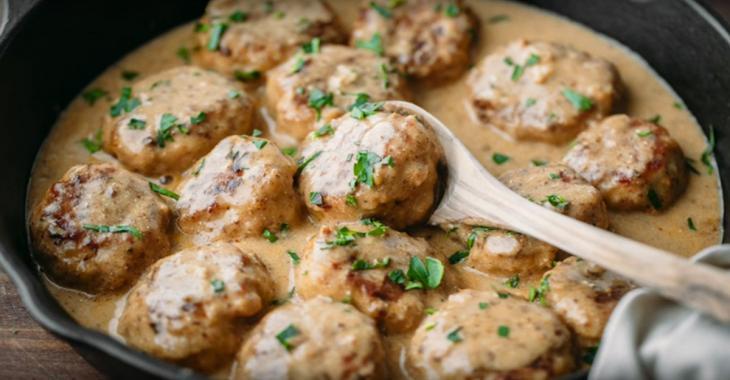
(361, 265)
(216, 33)
(93, 144)
(579, 102)
(706, 157)
(364, 167)
(458, 257)
(375, 44)
(295, 259)
(270, 236)
(247, 76)
(90, 96)
(454, 336)
(499, 158)
(319, 99)
(197, 119)
(162, 191)
(285, 336)
(315, 198)
(218, 285)
(114, 229)
(503, 331)
(126, 103)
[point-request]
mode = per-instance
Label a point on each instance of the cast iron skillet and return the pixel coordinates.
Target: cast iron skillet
(51, 49)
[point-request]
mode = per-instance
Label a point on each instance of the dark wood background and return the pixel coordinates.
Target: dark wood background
(27, 351)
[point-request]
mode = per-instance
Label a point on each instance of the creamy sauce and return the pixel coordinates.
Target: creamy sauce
(647, 96)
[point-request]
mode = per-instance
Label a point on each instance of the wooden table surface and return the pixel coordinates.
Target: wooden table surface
(27, 351)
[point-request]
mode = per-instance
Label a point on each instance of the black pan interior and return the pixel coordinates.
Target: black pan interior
(52, 49)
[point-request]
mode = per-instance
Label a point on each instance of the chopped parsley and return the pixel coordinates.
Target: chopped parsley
(590, 354)
(256, 133)
(579, 102)
(537, 162)
(162, 191)
(383, 11)
(199, 168)
(691, 224)
(233, 94)
(557, 201)
(319, 99)
(706, 157)
(311, 47)
(351, 200)
(216, 33)
(422, 275)
(483, 305)
(379, 229)
(497, 19)
(93, 144)
(656, 119)
(375, 44)
(362, 108)
(323, 131)
(539, 293)
(260, 144)
(295, 259)
(654, 200)
(499, 158)
(270, 236)
(678, 105)
(519, 70)
(290, 151)
(454, 336)
(126, 103)
(136, 124)
(114, 229)
(129, 75)
(218, 285)
(503, 331)
(503, 295)
(472, 238)
(513, 282)
(388, 161)
(644, 133)
(238, 16)
(530, 102)
(345, 236)
(690, 165)
(364, 167)
(315, 198)
(197, 119)
(430, 311)
(91, 95)
(247, 76)
(384, 71)
(361, 265)
(304, 162)
(554, 176)
(298, 65)
(452, 10)
(458, 257)
(285, 336)
(167, 123)
(201, 27)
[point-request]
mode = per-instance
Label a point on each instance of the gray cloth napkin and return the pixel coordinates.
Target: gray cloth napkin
(650, 337)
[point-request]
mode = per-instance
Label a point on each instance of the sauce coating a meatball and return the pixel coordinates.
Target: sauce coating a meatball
(360, 263)
(315, 339)
(312, 88)
(165, 122)
(189, 308)
(635, 164)
(98, 228)
(427, 39)
(478, 335)
(244, 37)
(243, 187)
(584, 295)
(542, 91)
(384, 166)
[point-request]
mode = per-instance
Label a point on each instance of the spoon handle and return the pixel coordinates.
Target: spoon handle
(480, 195)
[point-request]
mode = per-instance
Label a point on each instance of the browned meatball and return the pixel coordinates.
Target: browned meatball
(361, 263)
(542, 91)
(315, 339)
(501, 252)
(383, 166)
(311, 89)
(166, 121)
(254, 36)
(559, 188)
(478, 335)
(188, 308)
(98, 228)
(428, 39)
(634, 163)
(243, 187)
(584, 295)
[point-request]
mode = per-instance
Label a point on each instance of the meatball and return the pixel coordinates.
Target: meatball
(189, 308)
(315, 339)
(166, 121)
(361, 263)
(542, 91)
(253, 36)
(299, 90)
(478, 335)
(383, 166)
(98, 228)
(501, 252)
(429, 39)
(584, 295)
(559, 188)
(243, 187)
(634, 163)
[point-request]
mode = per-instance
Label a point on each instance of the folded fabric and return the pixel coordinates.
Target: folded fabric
(651, 337)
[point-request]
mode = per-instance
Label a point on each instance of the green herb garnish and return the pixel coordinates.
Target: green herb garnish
(247, 76)
(383, 11)
(706, 157)
(319, 99)
(503, 331)
(375, 44)
(499, 158)
(218, 285)
(361, 265)
(513, 282)
(454, 336)
(197, 119)
(270, 236)
(90, 96)
(126, 103)
(364, 167)
(295, 259)
(260, 144)
(114, 229)
(315, 198)
(284, 337)
(129, 75)
(136, 124)
(162, 191)
(216, 33)
(654, 199)
(458, 257)
(323, 131)
(238, 16)
(93, 144)
(579, 102)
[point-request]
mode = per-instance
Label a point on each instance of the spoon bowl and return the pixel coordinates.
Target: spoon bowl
(471, 193)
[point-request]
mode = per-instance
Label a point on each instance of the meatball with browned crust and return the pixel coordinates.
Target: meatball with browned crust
(189, 308)
(165, 122)
(479, 335)
(584, 295)
(248, 37)
(365, 264)
(635, 164)
(243, 187)
(426, 39)
(542, 91)
(384, 165)
(315, 339)
(98, 228)
(311, 89)
(559, 188)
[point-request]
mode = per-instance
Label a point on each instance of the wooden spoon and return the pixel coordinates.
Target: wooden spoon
(472, 192)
